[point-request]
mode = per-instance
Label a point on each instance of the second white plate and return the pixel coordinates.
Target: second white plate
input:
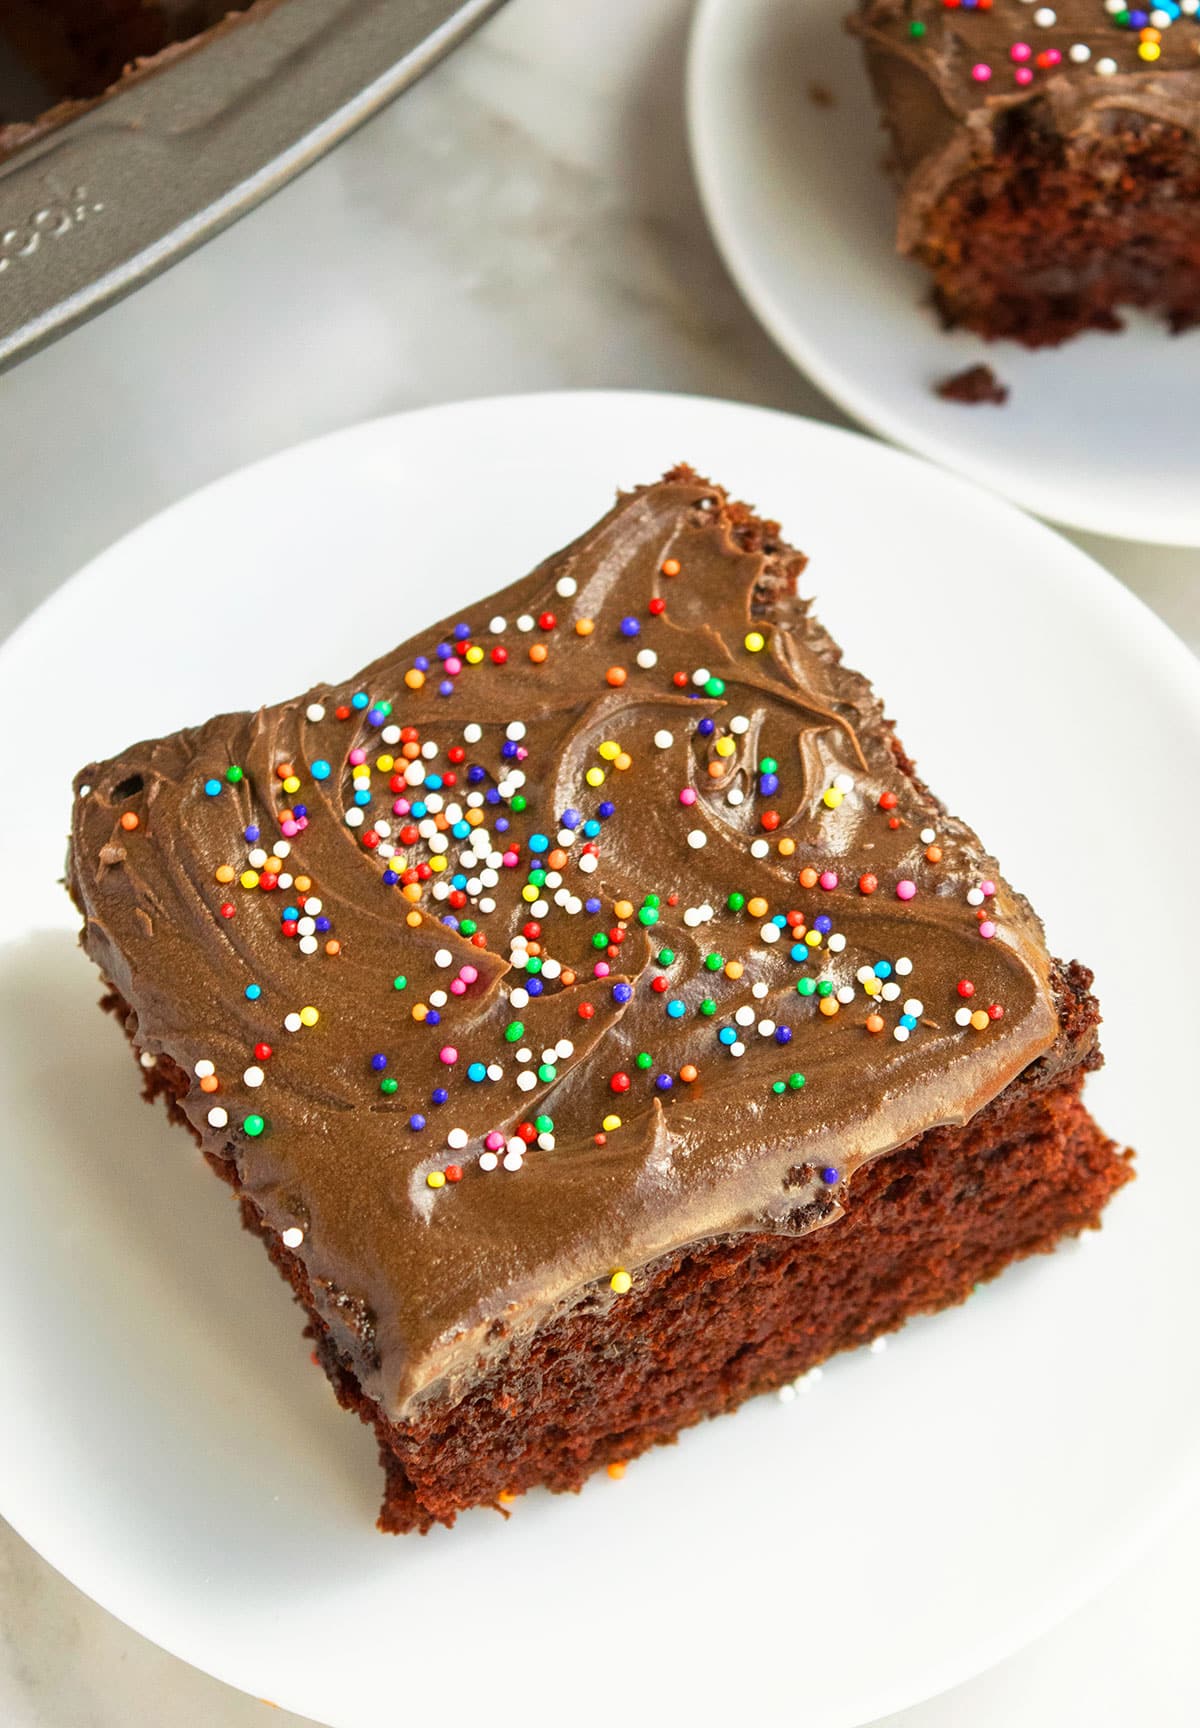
(1099, 433)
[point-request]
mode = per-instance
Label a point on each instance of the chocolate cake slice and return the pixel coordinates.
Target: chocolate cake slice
(1048, 157)
(595, 1015)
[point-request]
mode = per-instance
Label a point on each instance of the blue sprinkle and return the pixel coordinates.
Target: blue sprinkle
(768, 784)
(823, 923)
(433, 1018)
(323, 924)
(780, 921)
(591, 828)
(622, 992)
(534, 986)
(883, 969)
(460, 830)
(450, 921)
(253, 992)
(252, 832)
(676, 1009)
(783, 1034)
(288, 912)
(570, 819)
(419, 809)
(591, 904)
(446, 687)
(320, 769)
(800, 952)
(509, 749)
(376, 717)
(391, 877)
(379, 1062)
(475, 774)
(422, 662)
(706, 728)
(443, 651)
(727, 1035)
(909, 1021)
(829, 1175)
(299, 809)
(606, 810)
(538, 843)
(664, 1082)
(359, 700)
(416, 1123)
(439, 1095)
(630, 627)
(477, 1072)
(462, 632)
(212, 787)
(433, 782)
(361, 798)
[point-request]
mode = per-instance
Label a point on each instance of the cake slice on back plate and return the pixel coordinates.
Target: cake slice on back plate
(595, 1015)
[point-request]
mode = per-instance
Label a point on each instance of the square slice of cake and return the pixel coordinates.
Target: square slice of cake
(1048, 157)
(594, 1014)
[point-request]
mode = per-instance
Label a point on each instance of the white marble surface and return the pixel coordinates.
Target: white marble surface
(524, 219)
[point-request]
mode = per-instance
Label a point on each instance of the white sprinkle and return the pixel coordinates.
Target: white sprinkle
(497, 626)
(914, 1008)
(282, 848)
(1079, 52)
(697, 838)
(308, 944)
(738, 1049)
(759, 848)
(390, 735)
(962, 1017)
(864, 974)
(292, 1236)
(546, 1142)
(515, 730)
(890, 991)
(495, 1071)
(148, 1059)
(292, 1022)
(589, 863)
(513, 1160)
(314, 712)
(647, 658)
(739, 724)
(701, 675)
(836, 942)
(305, 926)
(845, 994)
(1106, 67)
(1045, 17)
(285, 881)
(806, 1382)
(758, 991)
(456, 1139)
(257, 858)
(527, 1080)
(518, 998)
(1161, 20)
(691, 917)
(745, 1016)
(765, 1028)
(443, 957)
(928, 836)
(843, 783)
(769, 933)
(903, 966)
(525, 622)
(472, 733)
(566, 587)
(786, 1394)
(313, 905)
(735, 796)
(354, 817)
(218, 1117)
(564, 1048)
(551, 968)
(253, 1076)
(878, 1345)
(204, 1069)
(488, 1160)
(974, 896)
(514, 1144)
(664, 739)
(900, 1034)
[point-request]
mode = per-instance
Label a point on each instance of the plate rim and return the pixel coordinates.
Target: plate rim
(1157, 636)
(700, 87)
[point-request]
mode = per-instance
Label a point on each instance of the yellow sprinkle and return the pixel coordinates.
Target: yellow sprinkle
(756, 641)
(757, 907)
(621, 1282)
(610, 1124)
(734, 969)
(616, 1469)
(474, 655)
(224, 872)
(786, 848)
(435, 1179)
(595, 776)
(412, 919)
(249, 878)
(529, 893)
(584, 626)
(414, 679)
(609, 751)
(292, 783)
(623, 761)
(438, 861)
(829, 1005)
(833, 798)
(725, 746)
(1148, 50)
(624, 908)
(309, 1016)
(979, 1020)
(385, 764)
(872, 986)
(813, 938)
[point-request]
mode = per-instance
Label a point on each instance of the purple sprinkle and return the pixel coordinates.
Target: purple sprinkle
(829, 1175)
(416, 1123)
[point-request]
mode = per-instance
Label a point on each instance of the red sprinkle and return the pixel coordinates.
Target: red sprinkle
(547, 621)
(262, 1052)
(585, 1010)
(995, 1012)
(453, 1173)
(499, 654)
(228, 909)
(657, 606)
(620, 1082)
(888, 800)
(965, 987)
(867, 884)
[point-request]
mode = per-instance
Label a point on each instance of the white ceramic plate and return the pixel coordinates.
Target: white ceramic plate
(165, 1442)
(1099, 433)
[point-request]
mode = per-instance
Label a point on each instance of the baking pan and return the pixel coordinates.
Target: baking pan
(98, 205)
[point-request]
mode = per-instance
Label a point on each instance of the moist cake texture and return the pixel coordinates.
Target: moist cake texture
(1047, 157)
(596, 1016)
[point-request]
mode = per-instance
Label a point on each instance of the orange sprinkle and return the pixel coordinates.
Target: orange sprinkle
(567, 976)
(688, 1073)
(284, 771)
(412, 920)
(734, 969)
(557, 858)
(419, 1011)
(623, 762)
(671, 567)
(584, 626)
(333, 946)
(934, 854)
(413, 678)
(623, 908)
(224, 872)
(411, 890)
(808, 877)
(715, 770)
(874, 1022)
(757, 907)
(302, 884)
(129, 821)
(616, 1469)
(507, 1496)
(538, 653)
(273, 865)
(616, 676)
(410, 751)
(829, 1005)
(209, 1083)
(786, 847)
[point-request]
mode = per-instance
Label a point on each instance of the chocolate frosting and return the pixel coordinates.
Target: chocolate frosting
(685, 737)
(1074, 68)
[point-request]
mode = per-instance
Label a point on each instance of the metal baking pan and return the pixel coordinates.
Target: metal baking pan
(98, 205)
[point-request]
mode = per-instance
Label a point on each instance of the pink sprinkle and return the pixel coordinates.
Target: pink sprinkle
(511, 860)
(401, 807)
(301, 822)
(688, 795)
(522, 752)
(828, 880)
(905, 890)
(1023, 75)
(987, 929)
(457, 987)
(1020, 51)
(357, 757)
(453, 666)
(600, 969)
(493, 1141)
(290, 827)
(1051, 57)
(988, 888)
(448, 1054)
(468, 974)
(981, 73)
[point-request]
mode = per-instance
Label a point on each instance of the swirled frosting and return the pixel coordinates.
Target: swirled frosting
(948, 75)
(600, 920)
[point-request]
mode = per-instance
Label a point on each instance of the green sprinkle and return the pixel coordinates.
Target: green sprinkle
(778, 1086)
(736, 902)
(666, 956)
(233, 774)
(537, 878)
(384, 708)
(824, 988)
(648, 915)
(806, 987)
(388, 1085)
(795, 1081)
(514, 1031)
(518, 802)
(708, 1007)
(253, 1126)
(400, 982)
(768, 765)
(547, 1071)
(652, 900)
(544, 1124)
(713, 962)
(644, 1059)
(916, 28)
(715, 687)
(534, 964)
(468, 926)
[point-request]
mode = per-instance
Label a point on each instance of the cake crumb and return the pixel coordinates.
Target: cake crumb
(821, 96)
(975, 384)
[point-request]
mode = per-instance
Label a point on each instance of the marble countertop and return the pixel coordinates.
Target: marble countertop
(523, 219)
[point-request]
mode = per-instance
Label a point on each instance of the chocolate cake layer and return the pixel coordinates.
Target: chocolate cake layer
(584, 936)
(1048, 157)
